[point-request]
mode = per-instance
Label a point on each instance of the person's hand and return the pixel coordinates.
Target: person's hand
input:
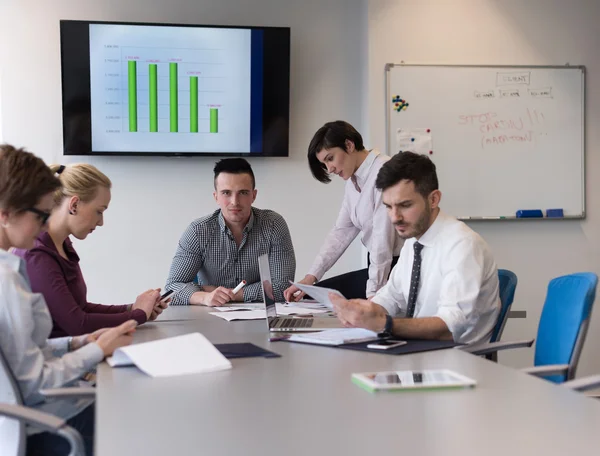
(81, 341)
(293, 293)
(146, 301)
(218, 297)
(111, 339)
(158, 309)
(359, 313)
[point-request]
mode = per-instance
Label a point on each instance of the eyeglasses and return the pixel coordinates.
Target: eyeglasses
(42, 215)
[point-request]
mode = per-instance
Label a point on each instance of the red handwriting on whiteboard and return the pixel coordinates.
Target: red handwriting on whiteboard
(508, 124)
(498, 140)
(476, 119)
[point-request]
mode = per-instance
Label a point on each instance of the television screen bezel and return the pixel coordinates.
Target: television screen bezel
(283, 96)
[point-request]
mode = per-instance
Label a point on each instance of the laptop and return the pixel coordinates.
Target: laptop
(285, 323)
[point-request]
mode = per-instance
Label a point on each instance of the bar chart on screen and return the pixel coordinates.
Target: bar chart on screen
(187, 90)
(169, 90)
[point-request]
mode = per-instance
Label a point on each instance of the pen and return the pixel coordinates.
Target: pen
(239, 287)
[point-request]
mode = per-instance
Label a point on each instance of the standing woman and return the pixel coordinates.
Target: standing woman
(337, 148)
(53, 263)
(26, 200)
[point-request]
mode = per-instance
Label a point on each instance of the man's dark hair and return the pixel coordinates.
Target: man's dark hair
(234, 166)
(412, 167)
(330, 135)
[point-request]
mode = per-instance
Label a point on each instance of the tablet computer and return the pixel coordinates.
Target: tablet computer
(410, 380)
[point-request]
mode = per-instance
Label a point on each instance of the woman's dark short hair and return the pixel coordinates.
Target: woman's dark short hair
(330, 135)
(234, 166)
(409, 166)
(24, 179)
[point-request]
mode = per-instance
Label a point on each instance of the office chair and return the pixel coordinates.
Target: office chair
(584, 383)
(508, 286)
(14, 416)
(561, 330)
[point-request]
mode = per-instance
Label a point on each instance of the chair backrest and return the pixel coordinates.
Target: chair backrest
(564, 322)
(508, 285)
(12, 432)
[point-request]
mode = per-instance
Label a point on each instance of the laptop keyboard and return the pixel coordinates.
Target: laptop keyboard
(294, 323)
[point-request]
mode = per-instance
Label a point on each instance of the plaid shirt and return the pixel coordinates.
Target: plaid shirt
(207, 250)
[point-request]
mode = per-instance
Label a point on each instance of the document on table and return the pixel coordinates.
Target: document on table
(320, 294)
(336, 336)
(251, 313)
(188, 354)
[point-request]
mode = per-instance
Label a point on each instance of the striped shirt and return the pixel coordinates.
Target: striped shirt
(207, 250)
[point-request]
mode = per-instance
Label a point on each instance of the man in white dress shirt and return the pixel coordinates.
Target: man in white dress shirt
(445, 285)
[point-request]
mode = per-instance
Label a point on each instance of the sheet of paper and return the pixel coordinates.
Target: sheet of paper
(320, 294)
(416, 140)
(241, 315)
(232, 307)
(282, 309)
(292, 309)
(309, 305)
(336, 336)
(188, 354)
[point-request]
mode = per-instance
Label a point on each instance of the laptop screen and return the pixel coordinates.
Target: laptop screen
(267, 286)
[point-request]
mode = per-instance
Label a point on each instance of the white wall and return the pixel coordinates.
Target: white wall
(506, 32)
(154, 199)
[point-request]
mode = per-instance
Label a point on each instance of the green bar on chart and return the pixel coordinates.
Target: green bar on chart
(173, 95)
(132, 90)
(153, 74)
(193, 104)
(214, 120)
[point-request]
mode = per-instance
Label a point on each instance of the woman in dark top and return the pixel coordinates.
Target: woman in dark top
(53, 264)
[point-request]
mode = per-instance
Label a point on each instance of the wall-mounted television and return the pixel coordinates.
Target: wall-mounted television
(174, 89)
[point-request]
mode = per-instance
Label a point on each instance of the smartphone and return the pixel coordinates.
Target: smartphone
(165, 295)
(386, 344)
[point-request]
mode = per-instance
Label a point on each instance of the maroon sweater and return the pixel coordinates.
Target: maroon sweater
(63, 287)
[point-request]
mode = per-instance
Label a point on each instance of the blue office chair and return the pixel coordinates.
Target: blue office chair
(508, 285)
(562, 328)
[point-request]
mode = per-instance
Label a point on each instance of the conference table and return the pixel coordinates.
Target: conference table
(304, 403)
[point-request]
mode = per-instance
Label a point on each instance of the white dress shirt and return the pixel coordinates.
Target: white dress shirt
(459, 281)
(36, 361)
(362, 211)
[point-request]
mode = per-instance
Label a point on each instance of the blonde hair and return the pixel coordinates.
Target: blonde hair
(79, 179)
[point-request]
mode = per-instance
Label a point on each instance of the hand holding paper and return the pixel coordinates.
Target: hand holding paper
(320, 294)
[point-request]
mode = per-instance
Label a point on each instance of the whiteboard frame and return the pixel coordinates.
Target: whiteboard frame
(388, 126)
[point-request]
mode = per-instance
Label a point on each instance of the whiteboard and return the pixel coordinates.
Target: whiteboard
(502, 138)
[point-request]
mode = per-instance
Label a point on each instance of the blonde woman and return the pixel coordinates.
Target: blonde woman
(26, 199)
(53, 263)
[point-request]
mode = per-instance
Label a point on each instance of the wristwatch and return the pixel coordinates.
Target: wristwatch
(387, 329)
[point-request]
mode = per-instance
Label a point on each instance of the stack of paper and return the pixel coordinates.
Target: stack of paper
(335, 336)
(188, 354)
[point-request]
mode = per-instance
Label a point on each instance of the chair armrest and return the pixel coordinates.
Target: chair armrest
(33, 417)
(546, 371)
(485, 349)
(69, 393)
(584, 384)
(45, 422)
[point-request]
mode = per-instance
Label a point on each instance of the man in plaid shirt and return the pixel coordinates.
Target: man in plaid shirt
(222, 249)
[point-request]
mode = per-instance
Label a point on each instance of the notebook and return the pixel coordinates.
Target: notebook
(335, 336)
(188, 354)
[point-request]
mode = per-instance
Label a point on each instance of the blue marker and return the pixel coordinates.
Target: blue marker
(555, 213)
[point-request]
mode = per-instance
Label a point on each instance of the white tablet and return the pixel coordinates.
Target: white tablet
(406, 380)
